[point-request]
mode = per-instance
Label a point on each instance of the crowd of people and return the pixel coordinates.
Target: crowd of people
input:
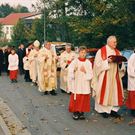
(103, 81)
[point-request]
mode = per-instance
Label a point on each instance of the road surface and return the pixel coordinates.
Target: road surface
(48, 115)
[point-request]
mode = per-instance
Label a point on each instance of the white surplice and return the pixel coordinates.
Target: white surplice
(110, 101)
(78, 81)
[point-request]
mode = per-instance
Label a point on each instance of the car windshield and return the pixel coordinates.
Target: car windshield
(127, 53)
(59, 49)
(91, 54)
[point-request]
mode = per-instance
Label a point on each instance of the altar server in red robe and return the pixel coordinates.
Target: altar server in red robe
(13, 65)
(79, 75)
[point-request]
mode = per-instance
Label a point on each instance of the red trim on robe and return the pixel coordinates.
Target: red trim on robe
(68, 62)
(81, 104)
(13, 74)
(130, 103)
(103, 88)
(119, 88)
(82, 59)
(104, 53)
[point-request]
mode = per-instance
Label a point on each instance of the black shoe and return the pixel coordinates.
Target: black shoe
(81, 116)
(26, 80)
(114, 114)
(12, 81)
(105, 115)
(46, 93)
(34, 84)
(75, 116)
(133, 113)
(29, 80)
(15, 81)
(53, 93)
(62, 91)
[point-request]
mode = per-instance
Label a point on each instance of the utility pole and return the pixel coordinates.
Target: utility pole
(44, 23)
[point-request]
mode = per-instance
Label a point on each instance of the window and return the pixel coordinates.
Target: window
(7, 30)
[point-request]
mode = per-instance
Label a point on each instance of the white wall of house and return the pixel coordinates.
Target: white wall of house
(7, 31)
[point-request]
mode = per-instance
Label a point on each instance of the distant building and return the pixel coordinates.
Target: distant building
(29, 19)
(11, 20)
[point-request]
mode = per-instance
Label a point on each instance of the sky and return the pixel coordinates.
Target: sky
(26, 3)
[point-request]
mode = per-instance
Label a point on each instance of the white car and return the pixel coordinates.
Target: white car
(58, 47)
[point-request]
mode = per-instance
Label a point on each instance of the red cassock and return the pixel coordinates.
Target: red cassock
(130, 103)
(81, 104)
(13, 74)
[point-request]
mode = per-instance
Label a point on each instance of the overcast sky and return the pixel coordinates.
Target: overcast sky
(26, 3)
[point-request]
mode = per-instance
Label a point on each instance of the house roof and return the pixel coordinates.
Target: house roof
(32, 15)
(1, 19)
(13, 18)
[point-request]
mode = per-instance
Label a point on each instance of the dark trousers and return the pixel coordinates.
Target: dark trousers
(21, 70)
(1, 68)
(27, 75)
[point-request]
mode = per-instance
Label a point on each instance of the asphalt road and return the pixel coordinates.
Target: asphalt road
(48, 115)
(1, 131)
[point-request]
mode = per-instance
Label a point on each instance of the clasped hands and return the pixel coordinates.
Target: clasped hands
(82, 69)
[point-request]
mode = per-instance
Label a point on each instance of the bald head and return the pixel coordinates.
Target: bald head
(112, 42)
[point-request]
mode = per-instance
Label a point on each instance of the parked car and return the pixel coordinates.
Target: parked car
(127, 54)
(91, 53)
(58, 48)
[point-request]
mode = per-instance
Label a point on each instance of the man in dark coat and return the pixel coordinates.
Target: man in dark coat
(6, 53)
(21, 53)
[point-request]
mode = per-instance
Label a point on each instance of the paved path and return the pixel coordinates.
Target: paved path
(48, 115)
(1, 131)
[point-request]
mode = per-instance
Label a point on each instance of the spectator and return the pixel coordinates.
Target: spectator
(21, 53)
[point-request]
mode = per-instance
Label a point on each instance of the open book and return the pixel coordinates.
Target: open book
(118, 58)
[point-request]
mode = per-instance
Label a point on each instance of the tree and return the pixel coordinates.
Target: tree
(35, 32)
(90, 22)
(19, 34)
(5, 10)
(21, 9)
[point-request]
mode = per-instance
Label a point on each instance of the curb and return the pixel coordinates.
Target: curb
(9, 122)
(4, 127)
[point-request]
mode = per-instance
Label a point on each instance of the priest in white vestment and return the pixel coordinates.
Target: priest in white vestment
(33, 67)
(107, 82)
(65, 59)
(47, 77)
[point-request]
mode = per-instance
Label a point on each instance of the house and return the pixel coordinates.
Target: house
(28, 19)
(12, 19)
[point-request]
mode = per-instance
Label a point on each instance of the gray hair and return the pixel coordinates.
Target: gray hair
(110, 38)
(82, 48)
(68, 45)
